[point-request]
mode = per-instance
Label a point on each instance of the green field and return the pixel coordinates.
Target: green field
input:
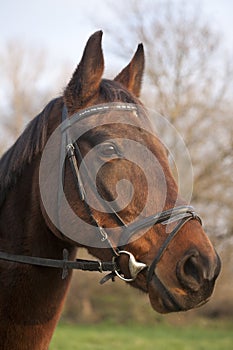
(217, 336)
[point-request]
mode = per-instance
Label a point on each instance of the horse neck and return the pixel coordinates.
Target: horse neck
(31, 297)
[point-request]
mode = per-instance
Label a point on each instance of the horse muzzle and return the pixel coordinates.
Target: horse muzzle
(196, 280)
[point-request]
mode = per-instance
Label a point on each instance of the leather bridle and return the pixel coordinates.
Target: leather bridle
(179, 214)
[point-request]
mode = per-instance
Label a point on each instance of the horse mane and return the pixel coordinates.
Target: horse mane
(33, 139)
(29, 144)
(112, 91)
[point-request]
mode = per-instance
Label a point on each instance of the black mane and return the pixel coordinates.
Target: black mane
(112, 91)
(29, 144)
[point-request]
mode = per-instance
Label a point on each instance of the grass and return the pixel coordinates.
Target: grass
(217, 336)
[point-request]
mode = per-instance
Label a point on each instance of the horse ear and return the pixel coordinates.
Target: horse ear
(131, 75)
(85, 81)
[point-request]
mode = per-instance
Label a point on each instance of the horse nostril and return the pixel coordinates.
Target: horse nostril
(191, 271)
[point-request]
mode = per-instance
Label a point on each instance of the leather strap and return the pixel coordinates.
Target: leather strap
(64, 264)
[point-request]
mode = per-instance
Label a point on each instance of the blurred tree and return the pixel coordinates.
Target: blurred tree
(24, 88)
(188, 79)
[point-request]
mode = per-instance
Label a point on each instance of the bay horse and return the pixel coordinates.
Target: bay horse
(46, 213)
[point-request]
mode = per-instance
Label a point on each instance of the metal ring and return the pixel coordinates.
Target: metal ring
(134, 266)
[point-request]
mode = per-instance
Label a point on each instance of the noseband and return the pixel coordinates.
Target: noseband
(180, 214)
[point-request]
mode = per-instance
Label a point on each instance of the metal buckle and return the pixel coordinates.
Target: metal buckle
(70, 150)
(103, 233)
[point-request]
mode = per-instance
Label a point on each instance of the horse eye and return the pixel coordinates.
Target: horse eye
(108, 150)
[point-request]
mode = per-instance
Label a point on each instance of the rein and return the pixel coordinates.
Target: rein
(181, 214)
(65, 264)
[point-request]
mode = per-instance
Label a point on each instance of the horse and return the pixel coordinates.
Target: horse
(51, 204)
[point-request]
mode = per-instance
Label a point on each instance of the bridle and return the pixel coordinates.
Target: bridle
(180, 214)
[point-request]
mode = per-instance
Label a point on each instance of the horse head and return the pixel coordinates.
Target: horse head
(121, 199)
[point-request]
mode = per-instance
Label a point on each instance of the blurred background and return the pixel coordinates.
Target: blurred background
(188, 79)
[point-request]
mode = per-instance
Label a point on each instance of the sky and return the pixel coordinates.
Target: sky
(62, 27)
